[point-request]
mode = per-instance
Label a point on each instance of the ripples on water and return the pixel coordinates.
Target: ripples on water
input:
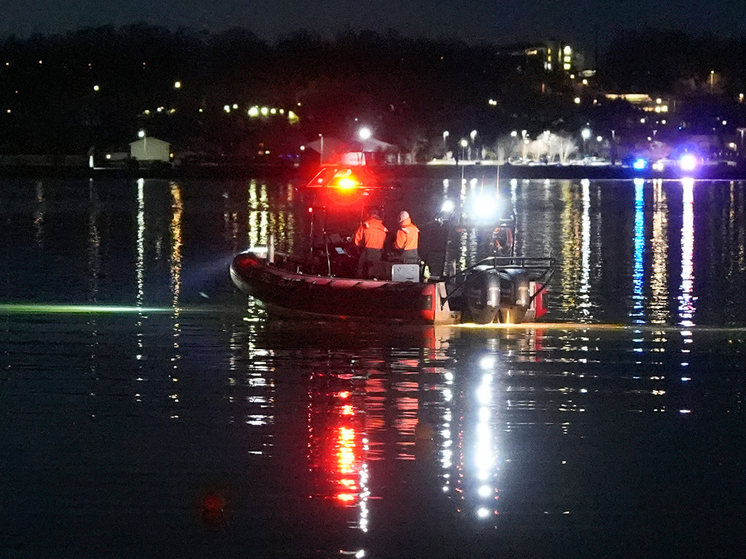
(186, 424)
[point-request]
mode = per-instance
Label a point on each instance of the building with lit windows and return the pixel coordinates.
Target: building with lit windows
(556, 56)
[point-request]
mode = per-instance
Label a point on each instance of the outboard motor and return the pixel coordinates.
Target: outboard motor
(483, 295)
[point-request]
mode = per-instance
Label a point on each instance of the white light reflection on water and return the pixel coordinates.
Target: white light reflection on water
(577, 252)
(477, 459)
(258, 214)
(485, 453)
(659, 313)
(175, 267)
(584, 299)
(687, 299)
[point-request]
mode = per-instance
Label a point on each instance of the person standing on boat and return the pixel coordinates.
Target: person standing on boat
(369, 238)
(407, 239)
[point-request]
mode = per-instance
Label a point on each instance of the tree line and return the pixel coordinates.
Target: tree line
(65, 93)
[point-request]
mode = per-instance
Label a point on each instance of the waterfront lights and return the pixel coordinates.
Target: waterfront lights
(688, 162)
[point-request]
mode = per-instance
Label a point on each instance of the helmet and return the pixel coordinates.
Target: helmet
(403, 216)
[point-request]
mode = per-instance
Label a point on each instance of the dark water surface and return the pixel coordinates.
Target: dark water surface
(149, 410)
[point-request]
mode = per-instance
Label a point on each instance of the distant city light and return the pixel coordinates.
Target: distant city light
(688, 162)
(96, 88)
(254, 111)
(177, 85)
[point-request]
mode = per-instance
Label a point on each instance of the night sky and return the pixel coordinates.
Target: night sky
(583, 22)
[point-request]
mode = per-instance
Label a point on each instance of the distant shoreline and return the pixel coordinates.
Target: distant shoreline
(394, 172)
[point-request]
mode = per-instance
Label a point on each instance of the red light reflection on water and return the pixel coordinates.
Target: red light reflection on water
(335, 443)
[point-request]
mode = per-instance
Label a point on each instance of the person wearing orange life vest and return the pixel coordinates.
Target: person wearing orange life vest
(369, 238)
(407, 239)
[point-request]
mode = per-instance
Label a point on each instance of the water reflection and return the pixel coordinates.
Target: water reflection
(579, 252)
(687, 299)
(338, 443)
(473, 423)
(175, 271)
(659, 311)
(41, 207)
(638, 277)
(442, 441)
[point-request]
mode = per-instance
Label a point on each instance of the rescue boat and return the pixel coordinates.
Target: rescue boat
(498, 289)
(321, 283)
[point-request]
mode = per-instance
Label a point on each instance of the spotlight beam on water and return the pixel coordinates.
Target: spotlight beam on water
(44, 308)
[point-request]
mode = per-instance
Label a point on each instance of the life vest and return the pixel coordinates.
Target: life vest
(407, 237)
(371, 234)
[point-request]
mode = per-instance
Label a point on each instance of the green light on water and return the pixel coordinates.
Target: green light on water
(40, 308)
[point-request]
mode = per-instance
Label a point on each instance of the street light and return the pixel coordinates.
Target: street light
(464, 143)
(364, 133)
